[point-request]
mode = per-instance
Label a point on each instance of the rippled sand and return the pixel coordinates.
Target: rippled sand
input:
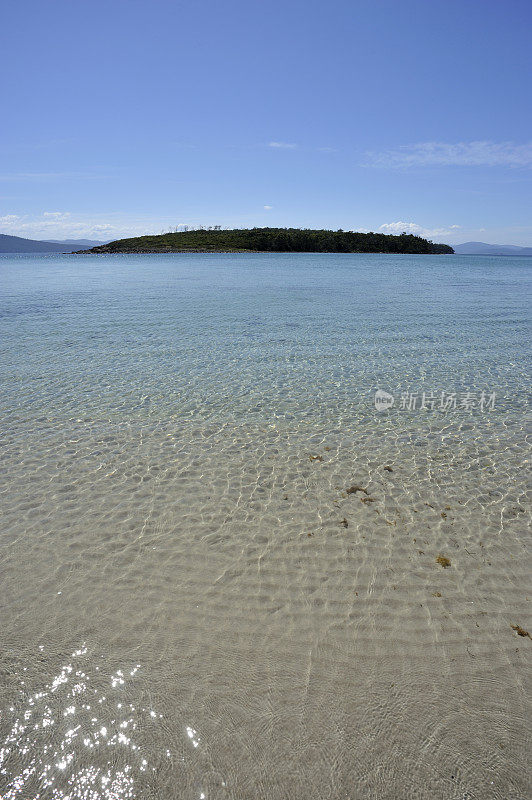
(194, 606)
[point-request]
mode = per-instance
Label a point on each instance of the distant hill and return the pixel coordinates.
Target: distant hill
(483, 249)
(15, 244)
(79, 242)
(273, 240)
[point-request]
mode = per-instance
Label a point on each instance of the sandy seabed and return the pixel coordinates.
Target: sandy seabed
(239, 625)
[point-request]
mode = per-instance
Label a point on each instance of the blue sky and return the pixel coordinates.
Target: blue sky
(121, 118)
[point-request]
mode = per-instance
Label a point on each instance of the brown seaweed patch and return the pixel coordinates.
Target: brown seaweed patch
(356, 488)
(344, 522)
(443, 561)
(520, 631)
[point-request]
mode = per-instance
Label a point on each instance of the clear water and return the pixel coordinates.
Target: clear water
(193, 605)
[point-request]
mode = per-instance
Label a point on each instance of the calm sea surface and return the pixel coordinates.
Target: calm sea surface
(193, 604)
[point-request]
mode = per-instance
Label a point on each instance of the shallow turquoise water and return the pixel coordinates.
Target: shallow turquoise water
(276, 334)
(193, 604)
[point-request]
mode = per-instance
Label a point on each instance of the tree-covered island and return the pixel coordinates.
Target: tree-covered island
(273, 240)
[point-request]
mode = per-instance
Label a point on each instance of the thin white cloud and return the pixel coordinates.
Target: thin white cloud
(462, 154)
(114, 225)
(456, 234)
(185, 145)
(31, 176)
(56, 225)
(48, 176)
(303, 148)
(397, 228)
(268, 208)
(282, 145)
